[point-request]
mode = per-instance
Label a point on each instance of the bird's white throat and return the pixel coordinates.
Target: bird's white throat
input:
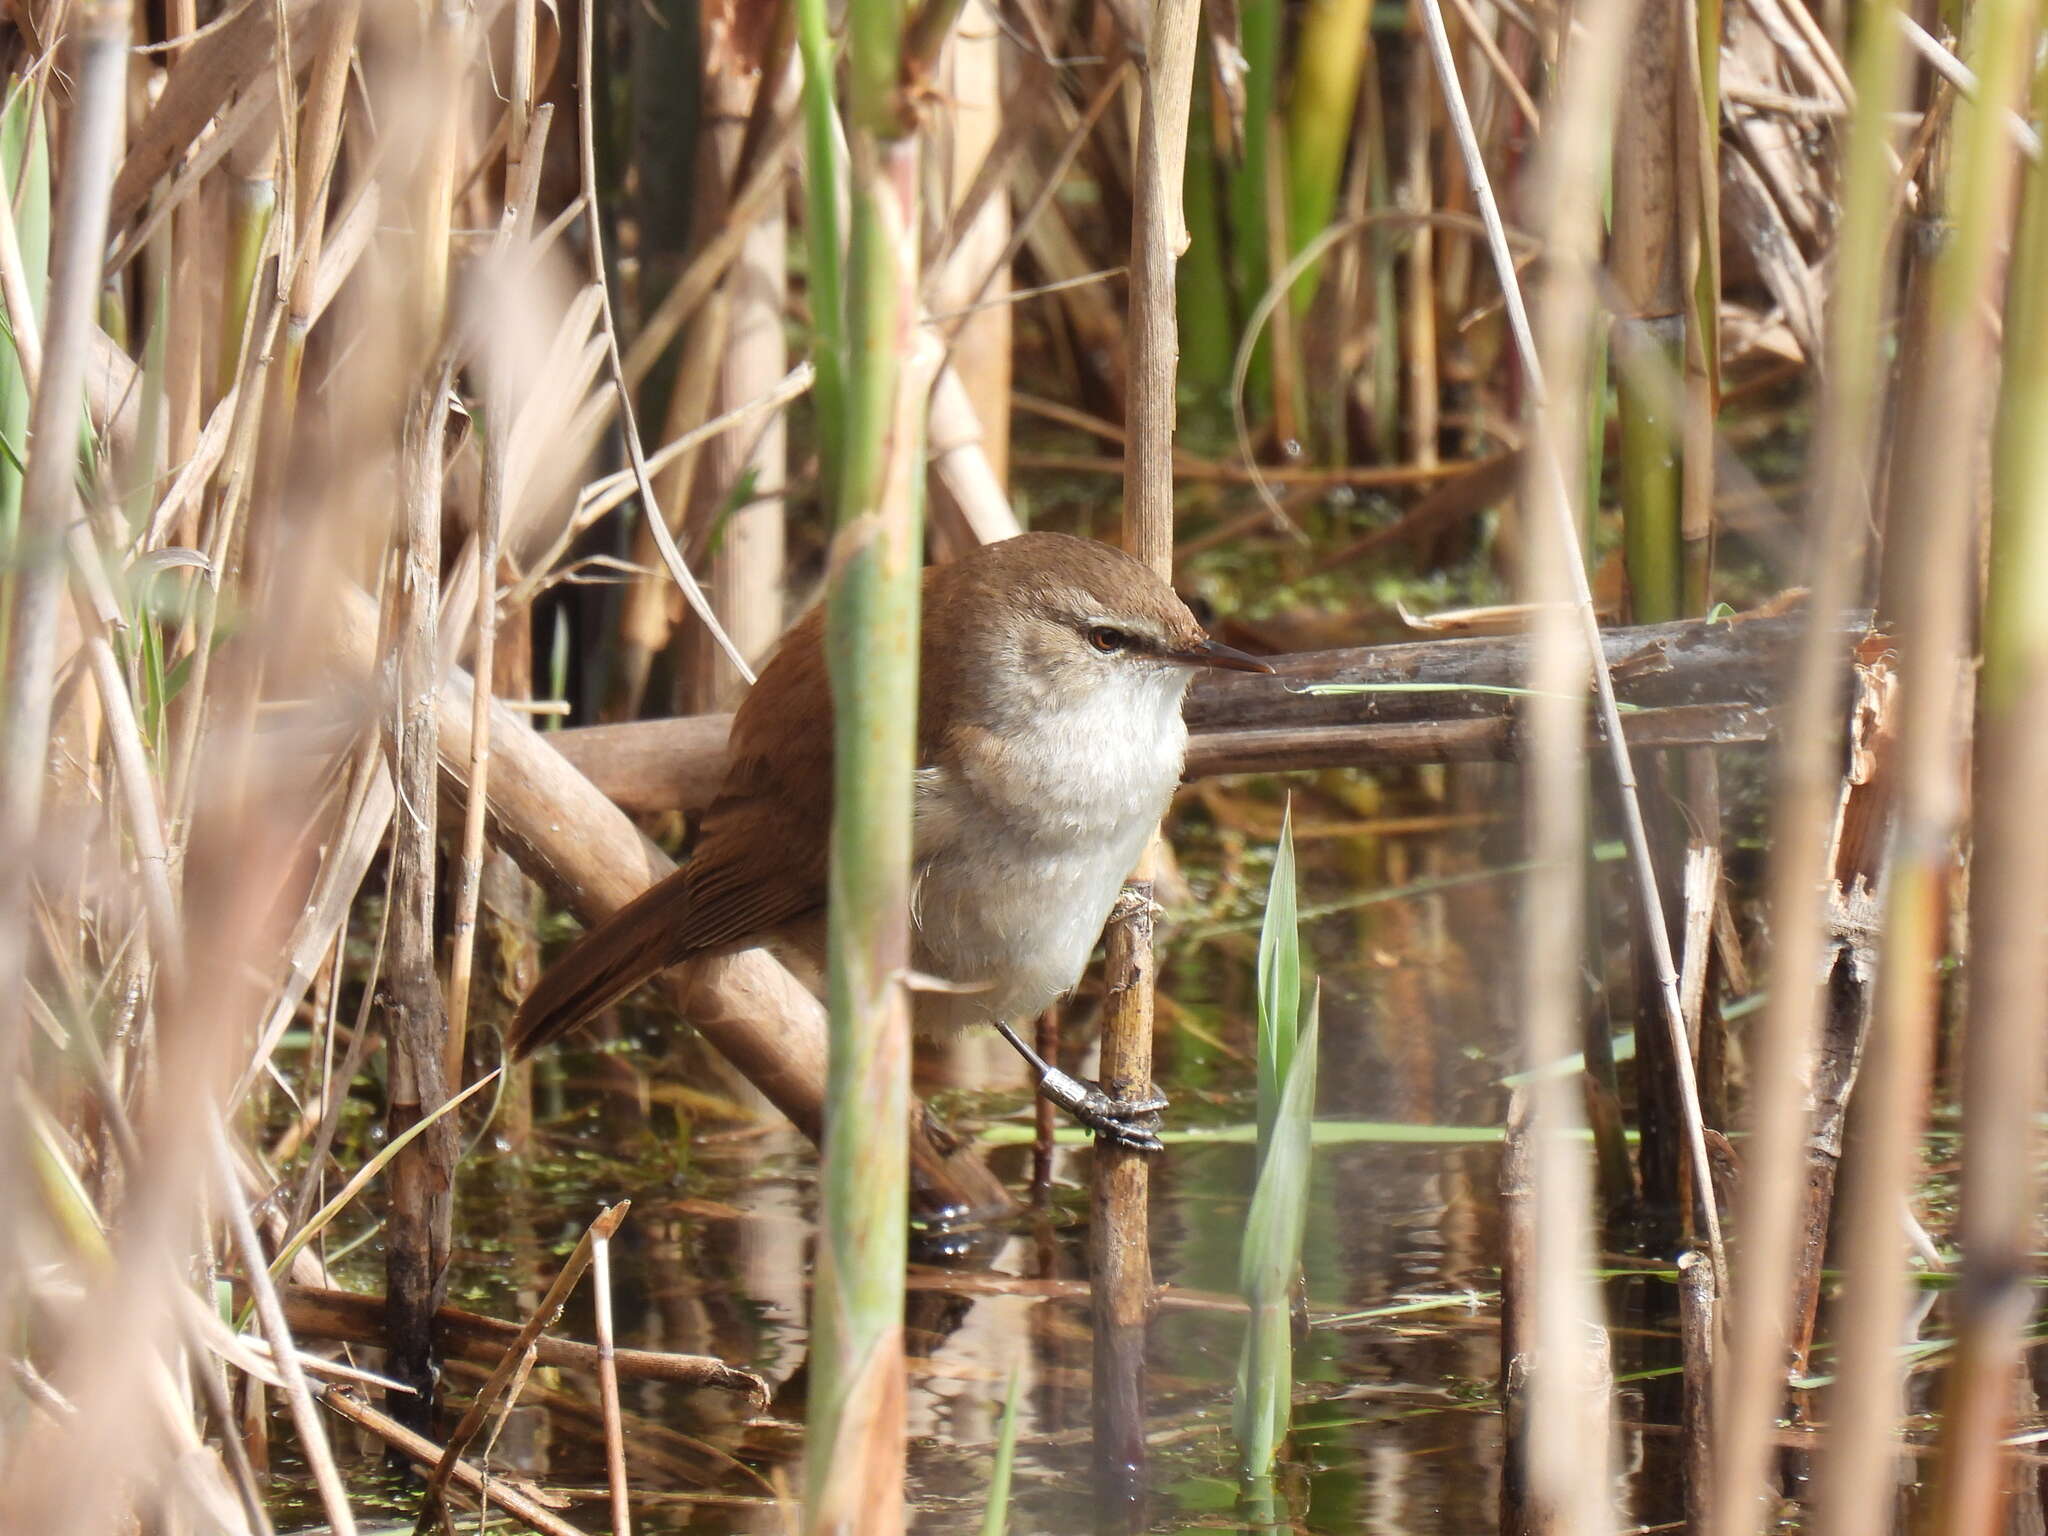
(1022, 847)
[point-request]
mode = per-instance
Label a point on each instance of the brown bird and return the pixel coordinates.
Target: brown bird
(1049, 741)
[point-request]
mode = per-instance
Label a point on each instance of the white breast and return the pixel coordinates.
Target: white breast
(1020, 855)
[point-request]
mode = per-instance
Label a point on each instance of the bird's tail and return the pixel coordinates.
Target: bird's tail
(633, 945)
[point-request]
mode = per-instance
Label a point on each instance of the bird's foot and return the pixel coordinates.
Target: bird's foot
(1132, 1123)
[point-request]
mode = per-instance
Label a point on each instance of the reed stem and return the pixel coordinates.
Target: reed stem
(854, 1470)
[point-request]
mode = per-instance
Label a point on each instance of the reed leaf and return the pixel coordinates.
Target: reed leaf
(995, 1519)
(324, 1217)
(25, 165)
(1271, 1265)
(1279, 983)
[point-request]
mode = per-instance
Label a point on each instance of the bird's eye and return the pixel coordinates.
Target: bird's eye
(1108, 641)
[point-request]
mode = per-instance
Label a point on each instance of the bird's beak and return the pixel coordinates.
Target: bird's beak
(1220, 657)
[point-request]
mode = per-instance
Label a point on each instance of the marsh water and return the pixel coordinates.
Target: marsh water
(1397, 1425)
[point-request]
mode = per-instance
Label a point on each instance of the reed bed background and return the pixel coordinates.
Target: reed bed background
(386, 387)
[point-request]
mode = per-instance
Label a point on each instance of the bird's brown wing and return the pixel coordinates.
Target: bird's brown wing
(759, 864)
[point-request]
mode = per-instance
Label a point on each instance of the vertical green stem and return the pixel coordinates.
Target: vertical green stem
(1334, 38)
(1259, 24)
(1207, 338)
(1648, 353)
(855, 1469)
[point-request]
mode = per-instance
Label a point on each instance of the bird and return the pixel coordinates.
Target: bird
(1052, 673)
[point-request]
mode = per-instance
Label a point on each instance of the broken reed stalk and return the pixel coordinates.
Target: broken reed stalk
(854, 1467)
(422, 1452)
(99, 66)
(421, 1213)
(2002, 1037)
(517, 1357)
(1557, 496)
(1119, 1241)
(1806, 774)
(608, 1386)
(351, 1318)
(1699, 1340)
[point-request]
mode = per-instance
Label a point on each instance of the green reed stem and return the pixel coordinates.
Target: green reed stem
(855, 1462)
(1334, 37)
(1259, 37)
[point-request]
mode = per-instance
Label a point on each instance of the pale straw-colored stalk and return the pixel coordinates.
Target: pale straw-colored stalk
(1806, 776)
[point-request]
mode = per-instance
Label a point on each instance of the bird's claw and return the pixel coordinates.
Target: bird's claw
(1132, 1123)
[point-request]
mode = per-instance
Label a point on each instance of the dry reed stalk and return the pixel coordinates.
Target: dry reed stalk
(747, 534)
(348, 1317)
(1559, 501)
(644, 629)
(518, 1357)
(608, 1384)
(1569, 1416)
(522, 187)
(615, 490)
(423, 1453)
(624, 381)
(1699, 1334)
(962, 466)
(313, 1442)
(1806, 776)
(1693, 683)
(761, 188)
(1699, 261)
(123, 1325)
(49, 500)
(1119, 1240)
(677, 765)
(1418, 331)
(975, 268)
(2008, 891)
(420, 1213)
